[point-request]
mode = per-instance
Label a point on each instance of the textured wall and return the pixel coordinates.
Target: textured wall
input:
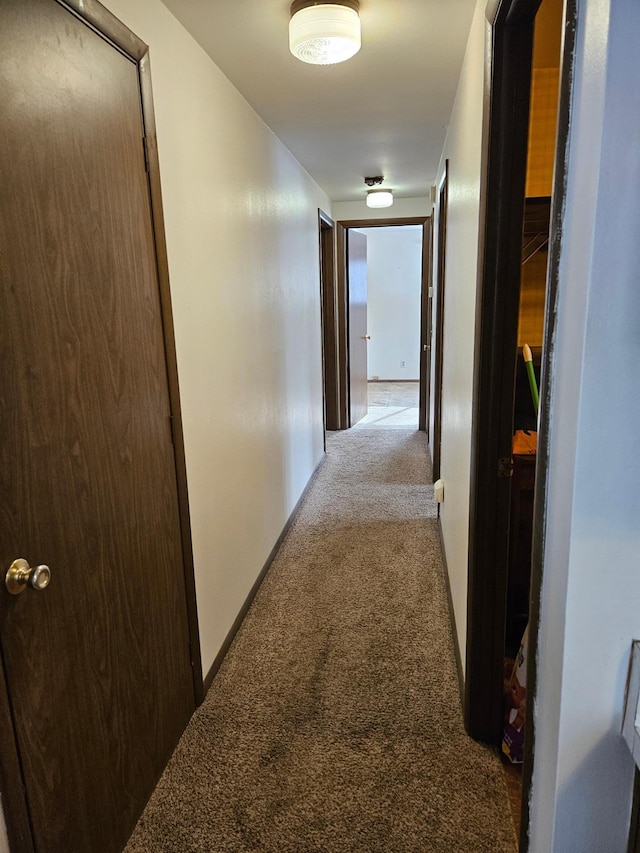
(400, 207)
(462, 149)
(242, 236)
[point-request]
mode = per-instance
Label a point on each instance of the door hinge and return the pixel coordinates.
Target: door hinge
(146, 154)
(505, 466)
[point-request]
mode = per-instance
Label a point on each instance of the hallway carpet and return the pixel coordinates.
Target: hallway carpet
(334, 724)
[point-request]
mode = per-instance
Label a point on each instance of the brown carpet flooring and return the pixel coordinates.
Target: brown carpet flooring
(334, 724)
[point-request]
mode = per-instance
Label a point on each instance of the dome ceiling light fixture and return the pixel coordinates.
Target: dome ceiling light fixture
(378, 198)
(324, 33)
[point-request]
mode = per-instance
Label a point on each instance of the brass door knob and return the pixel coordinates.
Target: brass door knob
(366, 337)
(20, 573)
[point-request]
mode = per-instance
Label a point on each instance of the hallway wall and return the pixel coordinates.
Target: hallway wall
(462, 149)
(242, 238)
(420, 206)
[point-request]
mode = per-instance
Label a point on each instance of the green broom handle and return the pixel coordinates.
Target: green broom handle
(528, 360)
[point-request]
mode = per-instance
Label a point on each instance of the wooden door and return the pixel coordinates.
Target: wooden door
(329, 326)
(97, 666)
(358, 335)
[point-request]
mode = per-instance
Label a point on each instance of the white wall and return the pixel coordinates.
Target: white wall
(583, 773)
(401, 207)
(463, 150)
(242, 237)
(394, 278)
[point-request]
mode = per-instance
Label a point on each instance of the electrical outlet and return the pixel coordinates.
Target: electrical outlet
(403, 364)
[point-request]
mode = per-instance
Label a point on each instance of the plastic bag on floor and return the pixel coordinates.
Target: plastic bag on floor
(513, 735)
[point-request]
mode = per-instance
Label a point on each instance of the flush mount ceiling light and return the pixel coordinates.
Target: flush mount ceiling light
(323, 33)
(378, 198)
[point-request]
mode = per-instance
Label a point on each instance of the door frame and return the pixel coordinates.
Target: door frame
(504, 154)
(105, 24)
(342, 228)
(426, 324)
(443, 204)
(328, 321)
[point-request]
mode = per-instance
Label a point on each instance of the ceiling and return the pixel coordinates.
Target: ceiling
(384, 112)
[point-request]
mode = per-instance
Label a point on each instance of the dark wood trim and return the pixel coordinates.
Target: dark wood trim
(328, 319)
(342, 227)
(546, 392)
(325, 218)
(382, 223)
(519, 11)
(100, 19)
(425, 325)
(105, 24)
(342, 309)
(499, 12)
(452, 615)
(237, 622)
(438, 352)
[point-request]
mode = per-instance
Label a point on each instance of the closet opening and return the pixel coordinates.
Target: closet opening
(526, 128)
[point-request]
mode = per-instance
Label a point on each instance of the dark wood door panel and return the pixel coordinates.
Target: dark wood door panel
(439, 324)
(329, 324)
(97, 666)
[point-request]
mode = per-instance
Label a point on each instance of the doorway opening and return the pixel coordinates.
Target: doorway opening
(391, 358)
(524, 147)
(394, 279)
